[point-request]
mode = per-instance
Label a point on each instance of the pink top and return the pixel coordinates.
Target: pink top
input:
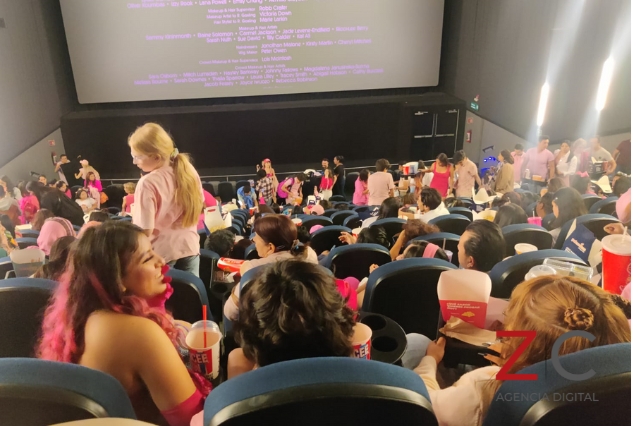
(359, 198)
(466, 179)
(156, 209)
(538, 163)
(128, 200)
(295, 191)
(96, 184)
(621, 206)
(440, 181)
(326, 183)
(209, 200)
(517, 166)
(379, 184)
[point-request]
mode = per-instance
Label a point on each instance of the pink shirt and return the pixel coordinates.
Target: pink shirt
(467, 173)
(538, 163)
(517, 164)
(155, 208)
(360, 199)
(621, 206)
(128, 200)
(379, 184)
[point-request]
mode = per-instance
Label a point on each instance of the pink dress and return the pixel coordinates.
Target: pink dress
(360, 199)
(128, 200)
(440, 181)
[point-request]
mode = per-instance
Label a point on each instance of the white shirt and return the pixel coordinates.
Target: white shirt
(441, 210)
(466, 402)
(564, 167)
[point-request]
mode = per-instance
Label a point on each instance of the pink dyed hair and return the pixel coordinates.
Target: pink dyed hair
(91, 283)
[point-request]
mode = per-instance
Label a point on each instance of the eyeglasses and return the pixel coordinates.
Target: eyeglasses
(137, 158)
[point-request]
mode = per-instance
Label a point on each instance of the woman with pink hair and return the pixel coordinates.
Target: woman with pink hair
(108, 314)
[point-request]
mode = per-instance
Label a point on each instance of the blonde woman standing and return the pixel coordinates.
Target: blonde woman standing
(168, 199)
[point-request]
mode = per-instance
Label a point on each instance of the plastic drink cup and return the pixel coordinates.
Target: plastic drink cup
(616, 263)
(356, 231)
(362, 341)
(406, 170)
(296, 221)
(525, 248)
(204, 359)
(535, 220)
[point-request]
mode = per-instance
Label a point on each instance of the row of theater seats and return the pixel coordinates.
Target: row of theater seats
(322, 391)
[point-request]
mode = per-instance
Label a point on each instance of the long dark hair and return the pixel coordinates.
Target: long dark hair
(443, 159)
(40, 190)
(570, 206)
(293, 310)
(571, 154)
(58, 257)
(389, 208)
(93, 282)
(510, 214)
(507, 156)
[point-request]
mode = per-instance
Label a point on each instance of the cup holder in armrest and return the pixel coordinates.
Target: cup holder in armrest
(375, 322)
(384, 344)
(219, 288)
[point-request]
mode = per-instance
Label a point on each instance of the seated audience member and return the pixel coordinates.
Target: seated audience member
(29, 204)
(555, 184)
(83, 200)
(567, 205)
(304, 236)
(581, 183)
(99, 216)
(372, 235)
(43, 180)
(510, 214)
(549, 305)
(380, 184)
(7, 242)
(238, 249)
(64, 188)
(389, 208)
(481, 246)
(409, 199)
(220, 242)
(54, 200)
(341, 207)
(88, 225)
(325, 204)
(130, 189)
(419, 249)
(545, 205)
(8, 225)
(247, 195)
(108, 314)
(412, 229)
(361, 194)
(39, 219)
(276, 239)
(9, 206)
(314, 210)
(51, 183)
(620, 184)
(10, 188)
(291, 311)
(52, 230)
(58, 256)
(529, 198)
(430, 205)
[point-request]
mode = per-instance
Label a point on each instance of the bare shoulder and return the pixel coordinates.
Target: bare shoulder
(111, 327)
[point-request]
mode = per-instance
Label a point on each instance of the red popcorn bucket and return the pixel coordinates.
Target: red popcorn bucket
(362, 341)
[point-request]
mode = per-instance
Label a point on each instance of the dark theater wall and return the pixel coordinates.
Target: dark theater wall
(232, 139)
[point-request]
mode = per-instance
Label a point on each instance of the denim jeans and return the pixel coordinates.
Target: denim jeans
(187, 264)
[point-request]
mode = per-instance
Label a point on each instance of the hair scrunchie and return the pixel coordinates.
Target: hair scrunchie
(578, 318)
(174, 154)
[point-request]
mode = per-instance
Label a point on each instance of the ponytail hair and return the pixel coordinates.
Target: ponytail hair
(280, 231)
(152, 140)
